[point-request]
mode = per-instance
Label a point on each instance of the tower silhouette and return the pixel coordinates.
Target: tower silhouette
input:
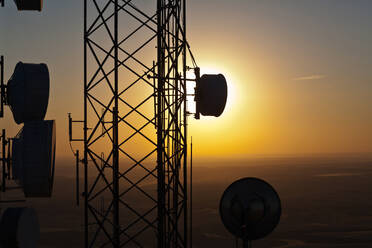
(135, 64)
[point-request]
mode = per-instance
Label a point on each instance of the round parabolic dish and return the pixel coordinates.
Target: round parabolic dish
(250, 193)
(29, 4)
(28, 92)
(28, 229)
(212, 94)
(19, 228)
(38, 158)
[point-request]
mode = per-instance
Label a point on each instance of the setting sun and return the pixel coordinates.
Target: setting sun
(107, 134)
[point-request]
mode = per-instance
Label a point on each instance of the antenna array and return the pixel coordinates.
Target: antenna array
(29, 157)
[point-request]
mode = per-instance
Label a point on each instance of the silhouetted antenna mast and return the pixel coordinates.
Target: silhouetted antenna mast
(4, 159)
(191, 206)
(77, 178)
(127, 85)
(2, 87)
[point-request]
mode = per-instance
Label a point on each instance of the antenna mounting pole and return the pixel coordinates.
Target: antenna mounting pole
(77, 178)
(2, 87)
(4, 160)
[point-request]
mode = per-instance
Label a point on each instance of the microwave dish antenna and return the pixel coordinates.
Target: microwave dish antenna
(19, 228)
(29, 4)
(28, 92)
(211, 95)
(250, 209)
(35, 5)
(34, 158)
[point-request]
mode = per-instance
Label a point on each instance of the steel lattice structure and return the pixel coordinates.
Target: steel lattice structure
(135, 124)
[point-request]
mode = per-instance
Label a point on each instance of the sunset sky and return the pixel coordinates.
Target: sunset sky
(299, 72)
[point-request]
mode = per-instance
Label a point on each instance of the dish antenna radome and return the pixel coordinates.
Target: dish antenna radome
(28, 92)
(19, 228)
(34, 158)
(29, 4)
(16, 159)
(210, 94)
(250, 209)
(33, 149)
(212, 91)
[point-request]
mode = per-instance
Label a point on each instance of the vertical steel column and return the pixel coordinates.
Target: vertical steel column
(190, 223)
(3, 140)
(77, 178)
(115, 175)
(164, 211)
(176, 127)
(160, 127)
(247, 243)
(186, 227)
(8, 158)
(2, 86)
(115, 129)
(85, 160)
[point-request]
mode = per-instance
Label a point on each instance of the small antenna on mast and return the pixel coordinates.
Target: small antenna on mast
(4, 159)
(8, 160)
(77, 178)
(76, 154)
(2, 86)
(191, 193)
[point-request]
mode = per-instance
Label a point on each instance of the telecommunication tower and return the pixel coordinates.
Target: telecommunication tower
(135, 113)
(134, 134)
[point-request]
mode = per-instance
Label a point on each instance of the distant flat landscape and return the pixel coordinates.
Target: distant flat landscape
(326, 203)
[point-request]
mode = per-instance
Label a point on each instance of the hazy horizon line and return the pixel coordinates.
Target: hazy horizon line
(202, 158)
